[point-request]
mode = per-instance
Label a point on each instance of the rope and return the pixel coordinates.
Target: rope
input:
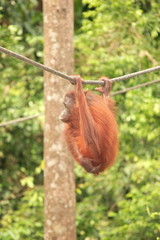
(135, 74)
(112, 94)
(20, 120)
(36, 64)
(60, 74)
(135, 87)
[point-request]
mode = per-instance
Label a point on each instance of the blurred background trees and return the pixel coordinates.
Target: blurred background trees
(112, 38)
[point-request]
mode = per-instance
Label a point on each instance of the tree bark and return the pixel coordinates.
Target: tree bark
(58, 177)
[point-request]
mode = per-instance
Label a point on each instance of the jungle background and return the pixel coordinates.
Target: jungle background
(112, 38)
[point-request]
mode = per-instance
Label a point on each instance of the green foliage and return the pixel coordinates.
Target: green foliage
(116, 38)
(25, 220)
(112, 38)
(21, 92)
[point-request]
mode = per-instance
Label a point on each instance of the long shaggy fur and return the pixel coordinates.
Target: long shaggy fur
(92, 132)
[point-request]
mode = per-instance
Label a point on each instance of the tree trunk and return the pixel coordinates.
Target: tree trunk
(59, 177)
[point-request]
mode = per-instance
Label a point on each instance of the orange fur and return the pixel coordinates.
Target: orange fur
(92, 133)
